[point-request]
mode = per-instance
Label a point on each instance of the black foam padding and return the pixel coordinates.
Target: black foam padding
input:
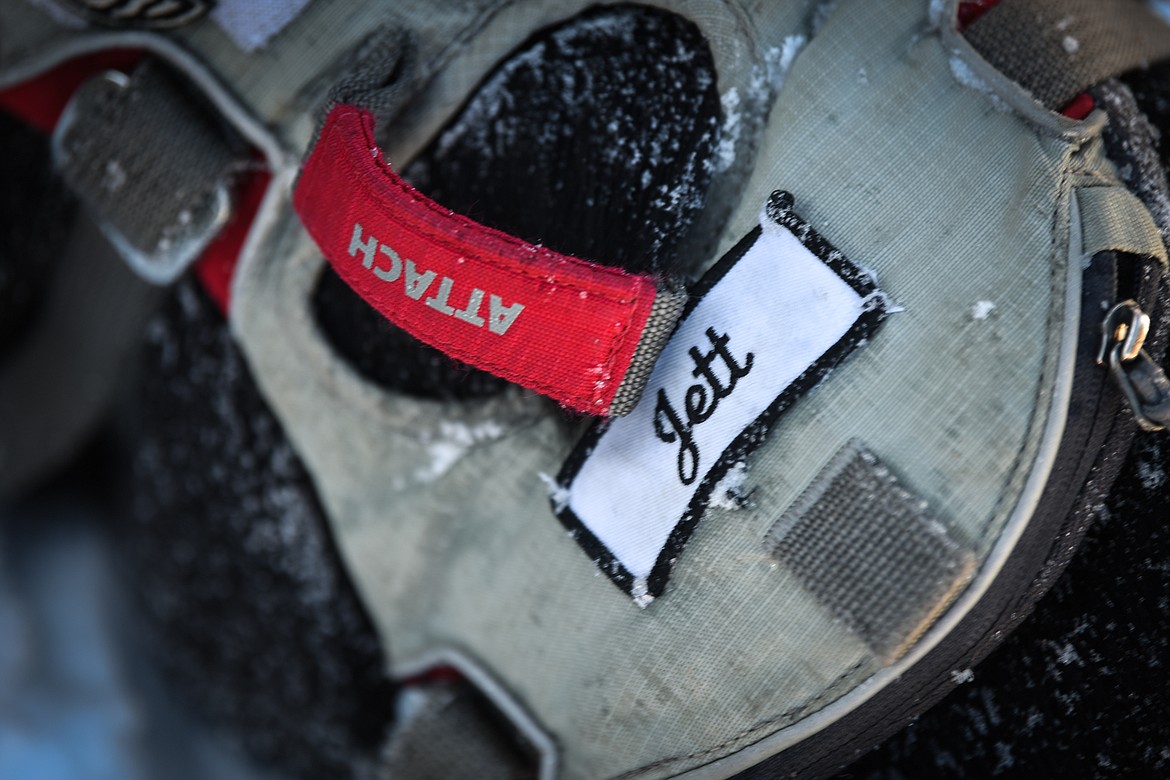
(35, 213)
(228, 549)
(595, 138)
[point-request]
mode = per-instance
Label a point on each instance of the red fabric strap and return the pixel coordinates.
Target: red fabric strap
(556, 324)
(216, 267)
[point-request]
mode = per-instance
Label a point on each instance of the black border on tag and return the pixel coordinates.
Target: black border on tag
(779, 210)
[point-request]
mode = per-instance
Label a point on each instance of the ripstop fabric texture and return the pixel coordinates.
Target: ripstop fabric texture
(928, 177)
(433, 582)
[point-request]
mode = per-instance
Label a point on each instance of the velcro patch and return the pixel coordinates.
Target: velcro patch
(871, 552)
(765, 325)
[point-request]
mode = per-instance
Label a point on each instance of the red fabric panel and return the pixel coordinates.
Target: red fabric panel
(455, 284)
(970, 10)
(40, 100)
(216, 266)
(1079, 107)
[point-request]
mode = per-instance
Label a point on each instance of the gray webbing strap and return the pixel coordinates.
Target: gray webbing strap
(1058, 49)
(871, 552)
(152, 166)
(381, 76)
(446, 730)
(1112, 218)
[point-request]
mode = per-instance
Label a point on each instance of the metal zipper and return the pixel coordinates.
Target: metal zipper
(1142, 381)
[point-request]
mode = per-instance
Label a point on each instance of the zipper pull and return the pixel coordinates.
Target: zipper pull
(1142, 381)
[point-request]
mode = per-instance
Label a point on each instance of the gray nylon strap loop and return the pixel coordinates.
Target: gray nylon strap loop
(871, 552)
(1056, 50)
(381, 76)
(1114, 219)
(447, 730)
(664, 316)
(52, 393)
(152, 166)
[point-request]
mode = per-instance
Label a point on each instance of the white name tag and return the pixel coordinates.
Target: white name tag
(766, 325)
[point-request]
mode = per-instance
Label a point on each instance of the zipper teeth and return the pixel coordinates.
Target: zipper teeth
(664, 315)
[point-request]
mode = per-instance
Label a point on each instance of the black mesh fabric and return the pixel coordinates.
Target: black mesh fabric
(245, 598)
(594, 138)
(1151, 90)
